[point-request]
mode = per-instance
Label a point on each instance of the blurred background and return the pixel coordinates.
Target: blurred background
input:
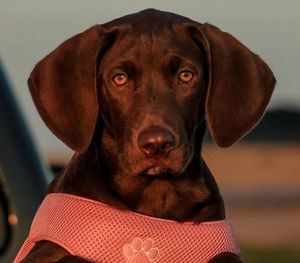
(259, 176)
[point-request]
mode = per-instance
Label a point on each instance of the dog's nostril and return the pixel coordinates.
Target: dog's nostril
(157, 142)
(167, 145)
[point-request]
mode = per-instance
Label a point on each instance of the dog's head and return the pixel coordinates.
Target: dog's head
(148, 80)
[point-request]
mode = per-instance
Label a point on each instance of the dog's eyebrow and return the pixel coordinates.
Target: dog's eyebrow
(127, 66)
(176, 62)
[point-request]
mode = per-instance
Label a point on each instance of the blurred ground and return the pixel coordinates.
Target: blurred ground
(261, 188)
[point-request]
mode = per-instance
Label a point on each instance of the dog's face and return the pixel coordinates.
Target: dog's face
(152, 92)
(151, 88)
(148, 79)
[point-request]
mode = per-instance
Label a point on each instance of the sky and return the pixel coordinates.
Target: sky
(31, 29)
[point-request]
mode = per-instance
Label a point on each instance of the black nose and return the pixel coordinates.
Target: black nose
(156, 142)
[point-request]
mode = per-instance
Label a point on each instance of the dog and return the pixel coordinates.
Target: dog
(132, 98)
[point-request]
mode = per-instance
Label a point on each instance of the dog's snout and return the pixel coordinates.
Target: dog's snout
(156, 142)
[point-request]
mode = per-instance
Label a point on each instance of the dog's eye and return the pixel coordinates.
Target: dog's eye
(185, 76)
(120, 79)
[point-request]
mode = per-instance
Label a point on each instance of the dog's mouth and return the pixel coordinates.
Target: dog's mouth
(157, 170)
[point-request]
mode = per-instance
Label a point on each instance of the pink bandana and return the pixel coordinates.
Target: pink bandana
(100, 233)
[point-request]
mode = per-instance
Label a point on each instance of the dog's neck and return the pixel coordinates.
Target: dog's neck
(194, 199)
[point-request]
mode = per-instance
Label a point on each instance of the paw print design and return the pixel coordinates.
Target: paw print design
(140, 251)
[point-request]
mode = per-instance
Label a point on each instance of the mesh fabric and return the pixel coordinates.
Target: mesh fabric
(100, 233)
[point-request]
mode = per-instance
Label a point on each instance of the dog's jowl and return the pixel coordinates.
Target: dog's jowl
(132, 98)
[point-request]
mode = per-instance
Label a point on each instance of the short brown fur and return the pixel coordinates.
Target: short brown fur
(75, 93)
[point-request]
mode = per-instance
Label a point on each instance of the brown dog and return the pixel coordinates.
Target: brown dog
(130, 97)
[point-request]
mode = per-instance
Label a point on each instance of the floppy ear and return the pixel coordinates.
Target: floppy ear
(240, 85)
(63, 87)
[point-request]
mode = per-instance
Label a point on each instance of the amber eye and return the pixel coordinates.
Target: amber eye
(185, 76)
(120, 79)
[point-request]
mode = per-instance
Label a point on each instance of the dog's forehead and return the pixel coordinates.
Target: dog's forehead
(151, 34)
(149, 53)
(149, 18)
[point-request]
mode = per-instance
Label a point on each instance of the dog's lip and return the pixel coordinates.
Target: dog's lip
(156, 170)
